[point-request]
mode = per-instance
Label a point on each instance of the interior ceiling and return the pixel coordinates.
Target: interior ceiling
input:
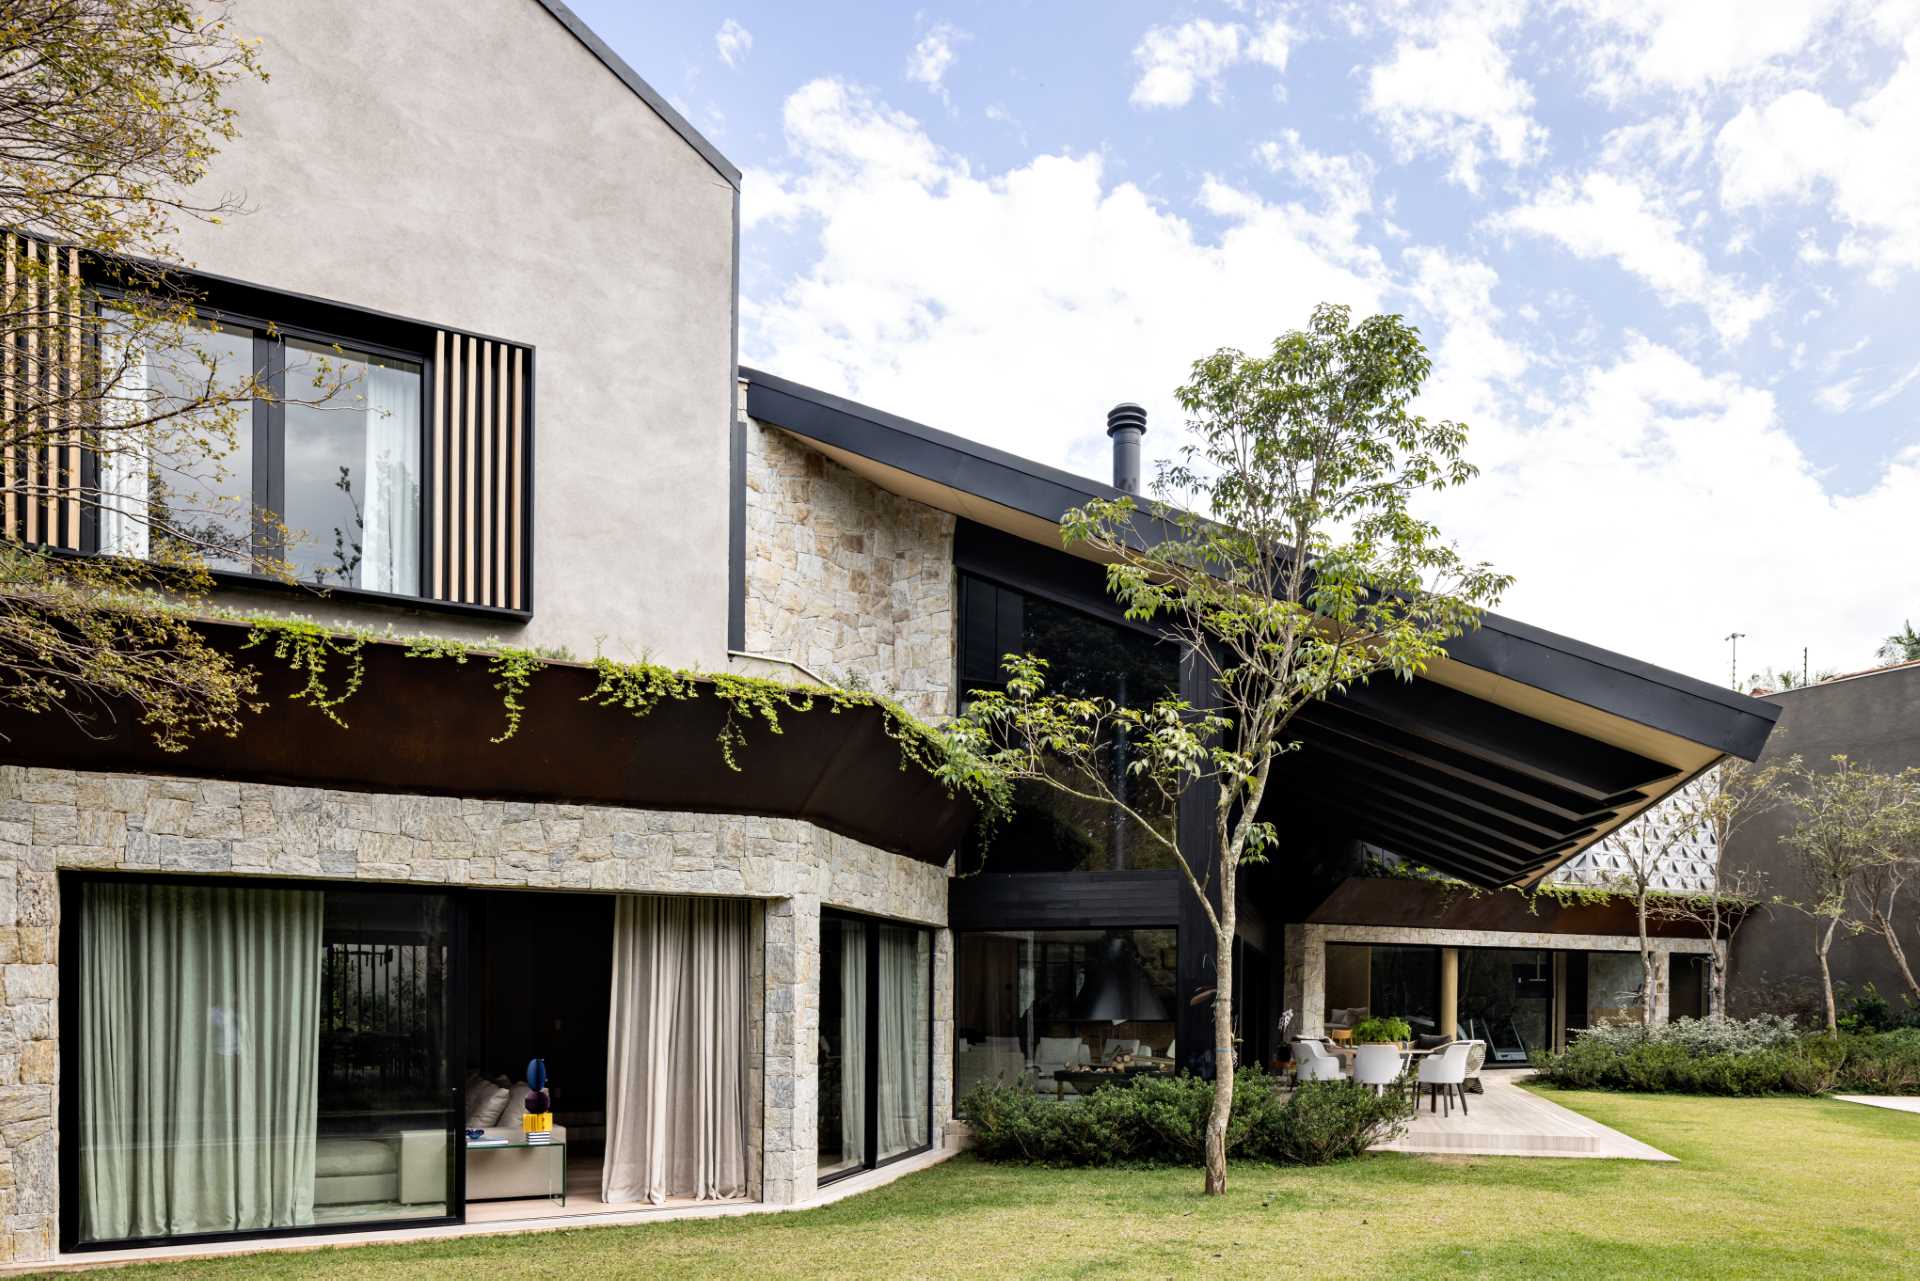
(1469, 772)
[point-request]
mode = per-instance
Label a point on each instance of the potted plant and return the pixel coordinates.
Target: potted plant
(1377, 1031)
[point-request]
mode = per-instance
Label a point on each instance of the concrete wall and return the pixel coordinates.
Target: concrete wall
(470, 163)
(846, 578)
(52, 820)
(1875, 720)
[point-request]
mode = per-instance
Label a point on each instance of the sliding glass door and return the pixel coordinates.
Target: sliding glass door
(254, 1058)
(874, 1052)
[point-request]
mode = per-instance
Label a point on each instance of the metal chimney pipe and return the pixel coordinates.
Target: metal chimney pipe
(1126, 424)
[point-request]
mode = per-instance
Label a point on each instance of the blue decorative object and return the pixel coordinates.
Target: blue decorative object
(537, 1073)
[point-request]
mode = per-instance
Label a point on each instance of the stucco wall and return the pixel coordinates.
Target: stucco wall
(1875, 721)
(470, 163)
(53, 819)
(844, 577)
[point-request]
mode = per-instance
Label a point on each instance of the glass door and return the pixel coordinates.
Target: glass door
(874, 1050)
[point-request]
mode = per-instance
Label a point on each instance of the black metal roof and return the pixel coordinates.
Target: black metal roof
(1463, 783)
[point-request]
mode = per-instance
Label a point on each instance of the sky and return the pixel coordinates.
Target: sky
(1665, 255)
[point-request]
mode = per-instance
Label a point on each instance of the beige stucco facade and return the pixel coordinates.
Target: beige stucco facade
(474, 165)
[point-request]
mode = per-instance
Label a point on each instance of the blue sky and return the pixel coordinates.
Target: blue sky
(1666, 254)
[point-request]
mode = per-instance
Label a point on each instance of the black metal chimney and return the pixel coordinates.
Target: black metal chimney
(1126, 424)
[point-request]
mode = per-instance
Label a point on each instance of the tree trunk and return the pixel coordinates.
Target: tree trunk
(1223, 1063)
(1718, 957)
(1649, 982)
(1892, 936)
(1821, 947)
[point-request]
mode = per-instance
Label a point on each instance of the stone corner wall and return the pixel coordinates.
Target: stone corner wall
(846, 578)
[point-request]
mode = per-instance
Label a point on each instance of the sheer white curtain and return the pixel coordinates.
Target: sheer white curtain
(390, 506)
(905, 1018)
(125, 468)
(677, 1050)
(853, 1042)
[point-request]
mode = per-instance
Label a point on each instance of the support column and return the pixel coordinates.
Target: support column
(1662, 986)
(1450, 991)
(942, 1036)
(1304, 985)
(790, 1160)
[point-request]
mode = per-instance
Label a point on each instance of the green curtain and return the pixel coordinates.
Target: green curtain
(199, 1058)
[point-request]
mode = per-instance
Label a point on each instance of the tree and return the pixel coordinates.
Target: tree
(1716, 807)
(1877, 906)
(118, 400)
(1282, 557)
(1767, 680)
(1851, 819)
(1903, 646)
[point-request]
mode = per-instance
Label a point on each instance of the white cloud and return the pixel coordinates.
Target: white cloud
(1450, 88)
(933, 55)
(1863, 158)
(734, 41)
(1694, 45)
(1607, 216)
(1692, 479)
(958, 298)
(1177, 62)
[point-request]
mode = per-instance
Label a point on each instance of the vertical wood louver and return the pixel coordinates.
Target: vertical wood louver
(478, 505)
(41, 461)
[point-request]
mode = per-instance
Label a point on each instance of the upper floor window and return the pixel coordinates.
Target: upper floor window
(267, 436)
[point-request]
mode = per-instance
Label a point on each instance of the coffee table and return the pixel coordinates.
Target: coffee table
(1087, 1080)
(518, 1161)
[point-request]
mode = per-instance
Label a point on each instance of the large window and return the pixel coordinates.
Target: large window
(254, 1058)
(323, 476)
(1383, 981)
(1048, 830)
(1506, 1000)
(874, 1049)
(1034, 1004)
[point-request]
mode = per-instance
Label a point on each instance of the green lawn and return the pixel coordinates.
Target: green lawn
(1764, 1188)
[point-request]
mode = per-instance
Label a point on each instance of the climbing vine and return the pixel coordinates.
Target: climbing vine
(512, 668)
(308, 649)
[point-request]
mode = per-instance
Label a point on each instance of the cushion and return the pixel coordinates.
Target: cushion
(486, 1111)
(516, 1105)
(335, 1157)
(475, 1083)
(1059, 1049)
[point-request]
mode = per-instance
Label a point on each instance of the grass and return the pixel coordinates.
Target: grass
(1775, 1188)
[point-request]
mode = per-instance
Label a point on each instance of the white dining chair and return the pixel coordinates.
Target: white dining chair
(1313, 1061)
(1377, 1066)
(1443, 1073)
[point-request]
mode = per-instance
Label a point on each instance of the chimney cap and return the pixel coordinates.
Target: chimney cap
(1126, 416)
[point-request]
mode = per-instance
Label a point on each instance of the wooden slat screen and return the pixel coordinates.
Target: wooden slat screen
(478, 507)
(41, 458)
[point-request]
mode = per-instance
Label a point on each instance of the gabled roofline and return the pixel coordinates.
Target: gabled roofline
(1699, 711)
(642, 90)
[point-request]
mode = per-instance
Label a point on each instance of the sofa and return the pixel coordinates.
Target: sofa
(406, 1166)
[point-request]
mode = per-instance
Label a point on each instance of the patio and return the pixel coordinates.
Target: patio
(1509, 1121)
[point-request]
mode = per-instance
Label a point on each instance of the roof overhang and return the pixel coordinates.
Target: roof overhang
(1502, 761)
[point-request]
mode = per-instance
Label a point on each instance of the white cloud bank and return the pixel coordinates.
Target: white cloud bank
(1644, 503)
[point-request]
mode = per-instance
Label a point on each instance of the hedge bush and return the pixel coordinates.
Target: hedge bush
(1735, 1060)
(1161, 1120)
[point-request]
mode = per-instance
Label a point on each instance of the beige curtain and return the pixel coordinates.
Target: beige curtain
(677, 1050)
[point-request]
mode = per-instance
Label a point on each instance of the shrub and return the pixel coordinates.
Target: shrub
(1371, 1031)
(1161, 1120)
(1885, 1063)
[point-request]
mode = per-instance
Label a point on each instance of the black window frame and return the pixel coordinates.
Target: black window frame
(275, 315)
(869, 1157)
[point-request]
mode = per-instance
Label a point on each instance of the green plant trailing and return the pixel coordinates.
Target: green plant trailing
(307, 648)
(1379, 1030)
(1162, 1120)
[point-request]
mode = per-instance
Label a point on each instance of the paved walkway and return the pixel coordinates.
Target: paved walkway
(1890, 1102)
(1510, 1121)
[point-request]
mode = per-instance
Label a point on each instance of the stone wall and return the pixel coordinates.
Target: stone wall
(54, 820)
(844, 577)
